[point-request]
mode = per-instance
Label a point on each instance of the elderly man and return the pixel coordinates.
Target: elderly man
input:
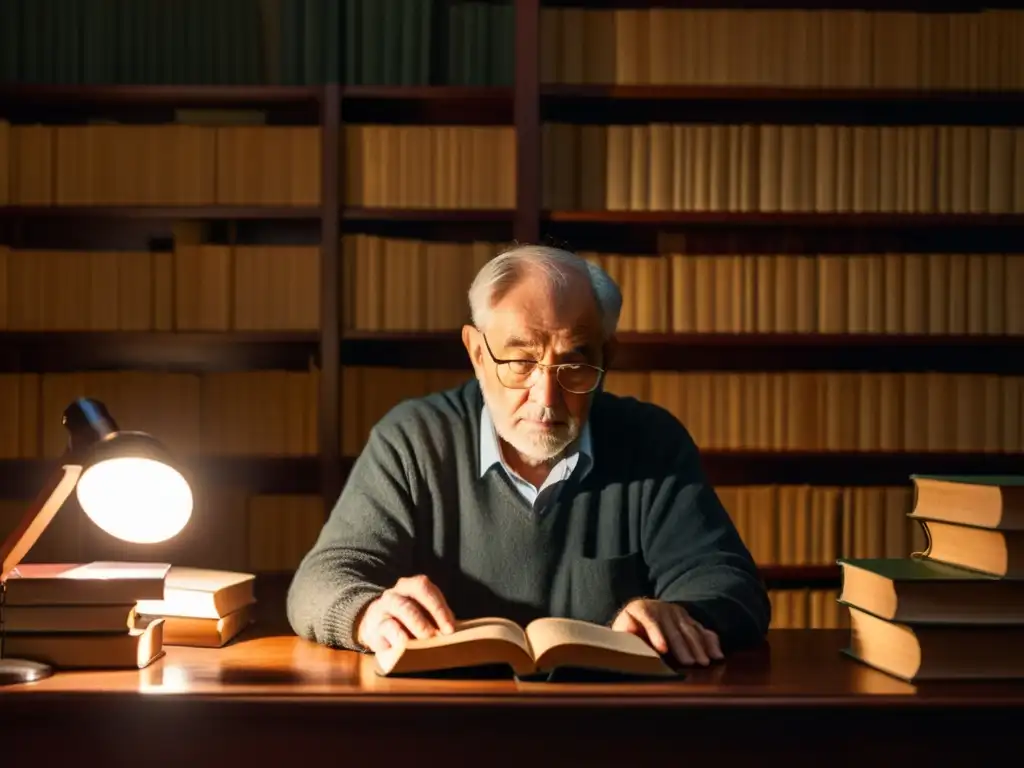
(530, 492)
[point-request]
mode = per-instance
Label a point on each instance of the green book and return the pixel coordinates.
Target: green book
(352, 36)
(10, 48)
(917, 590)
(985, 480)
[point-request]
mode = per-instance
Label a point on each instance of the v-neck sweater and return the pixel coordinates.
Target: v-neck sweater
(643, 522)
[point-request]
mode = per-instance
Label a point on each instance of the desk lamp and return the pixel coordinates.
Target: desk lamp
(126, 484)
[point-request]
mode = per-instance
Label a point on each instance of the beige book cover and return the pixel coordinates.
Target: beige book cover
(128, 650)
(201, 593)
(78, 584)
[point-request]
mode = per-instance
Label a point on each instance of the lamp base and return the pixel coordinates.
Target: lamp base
(14, 671)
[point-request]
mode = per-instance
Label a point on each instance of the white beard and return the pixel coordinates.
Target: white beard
(536, 448)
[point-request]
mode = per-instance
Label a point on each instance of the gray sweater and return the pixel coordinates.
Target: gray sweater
(644, 522)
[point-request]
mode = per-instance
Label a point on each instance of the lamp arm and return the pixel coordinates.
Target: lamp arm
(40, 513)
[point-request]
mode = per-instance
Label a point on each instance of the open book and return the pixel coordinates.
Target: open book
(544, 646)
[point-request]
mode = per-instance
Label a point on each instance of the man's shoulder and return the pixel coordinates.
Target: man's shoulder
(637, 426)
(432, 414)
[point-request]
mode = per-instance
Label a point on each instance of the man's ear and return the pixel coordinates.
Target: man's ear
(471, 341)
(608, 351)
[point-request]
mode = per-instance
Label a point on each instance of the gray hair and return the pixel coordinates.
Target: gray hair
(502, 272)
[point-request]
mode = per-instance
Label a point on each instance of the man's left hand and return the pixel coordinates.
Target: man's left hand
(669, 628)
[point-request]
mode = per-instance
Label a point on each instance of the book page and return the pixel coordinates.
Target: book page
(563, 644)
(476, 641)
(474, 630)
(545, 634)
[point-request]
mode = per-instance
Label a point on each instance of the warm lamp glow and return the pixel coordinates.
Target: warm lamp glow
(135, 499)
(126, 483)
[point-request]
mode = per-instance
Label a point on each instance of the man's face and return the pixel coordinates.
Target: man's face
(529, 324)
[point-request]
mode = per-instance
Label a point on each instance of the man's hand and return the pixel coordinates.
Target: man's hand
(414, 607)
(668, 627)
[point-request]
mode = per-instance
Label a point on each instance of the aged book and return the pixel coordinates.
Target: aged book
(984, 501)
(133, 649)
(200, 632)
(920, 590)
(201, 593)
(541, 648)
(916, 652)
(68, 618)
(89, 584)
(995, 552)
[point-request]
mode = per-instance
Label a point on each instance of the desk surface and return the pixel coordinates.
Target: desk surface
(797, 668)
(278, 700)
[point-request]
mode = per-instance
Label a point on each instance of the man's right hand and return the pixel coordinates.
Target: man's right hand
(414, 607)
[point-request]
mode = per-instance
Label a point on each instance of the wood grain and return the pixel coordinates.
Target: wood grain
(275, 699)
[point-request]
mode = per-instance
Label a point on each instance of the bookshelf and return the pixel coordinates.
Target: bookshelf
(351, 93)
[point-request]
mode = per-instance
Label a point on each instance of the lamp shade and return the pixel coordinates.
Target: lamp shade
(130, 488)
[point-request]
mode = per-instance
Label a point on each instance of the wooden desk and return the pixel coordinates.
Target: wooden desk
(281, 700)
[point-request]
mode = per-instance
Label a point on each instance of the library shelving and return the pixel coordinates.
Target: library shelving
(333, 100)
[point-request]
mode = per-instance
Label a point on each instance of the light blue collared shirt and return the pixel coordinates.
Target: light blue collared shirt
(579, 455)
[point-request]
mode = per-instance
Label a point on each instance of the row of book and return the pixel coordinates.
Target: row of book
(190, 288)
(215, 413)
(771, 167)
(119, 614)
(409, 284)
(768, 167)
(252, 42)
(195, 161)
(797, 47)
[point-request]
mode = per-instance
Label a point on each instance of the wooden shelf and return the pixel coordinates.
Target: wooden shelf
(631, 93)
(797, 576)
(876, 5)
(451, 105)
(236, 96)
(787, 220)
(821, 352)
(725, 352)
(298, 105)
(842, 468)
(471, 215)
(790, 232)
(22, 478)
(613, 103)
(455, 224)
(67, 213)
(45, 352)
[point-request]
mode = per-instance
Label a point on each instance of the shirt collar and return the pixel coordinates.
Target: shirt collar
(579, 453)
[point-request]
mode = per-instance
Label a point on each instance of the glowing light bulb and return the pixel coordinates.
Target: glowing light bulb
(136, 500)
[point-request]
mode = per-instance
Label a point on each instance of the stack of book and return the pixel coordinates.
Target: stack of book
(81, 616)
(201, 607)
(955, 610)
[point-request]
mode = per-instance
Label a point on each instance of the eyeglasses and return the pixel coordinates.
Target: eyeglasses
(578, 378)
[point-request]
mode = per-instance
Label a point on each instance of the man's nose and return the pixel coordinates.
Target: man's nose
(546, 390)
